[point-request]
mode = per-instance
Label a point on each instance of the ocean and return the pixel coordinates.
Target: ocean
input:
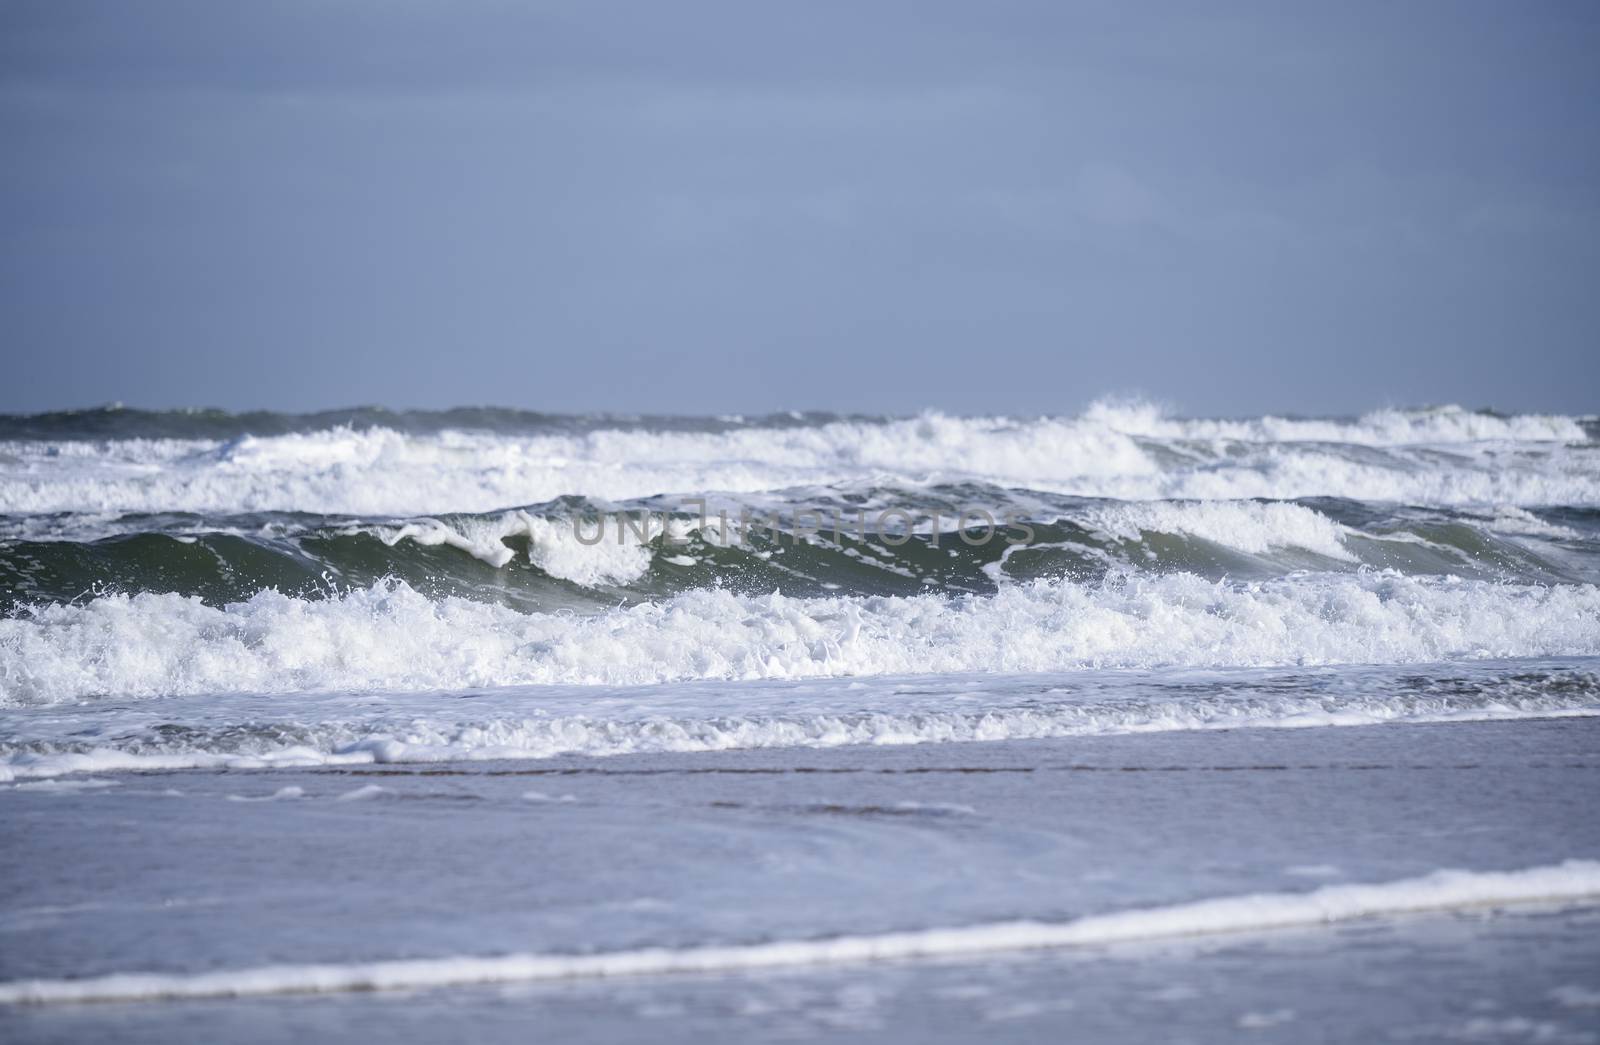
(801, 726)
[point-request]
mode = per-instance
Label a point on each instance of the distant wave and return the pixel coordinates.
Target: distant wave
(1445, 456)
(1391, 427)
(120, 422)
(1136, 417)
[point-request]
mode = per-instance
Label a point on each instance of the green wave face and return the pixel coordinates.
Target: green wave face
(540, 558)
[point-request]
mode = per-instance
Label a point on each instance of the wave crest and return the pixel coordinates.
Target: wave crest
(1443, 456)
(391, 637)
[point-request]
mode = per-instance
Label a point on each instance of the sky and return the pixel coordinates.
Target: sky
(745, 206)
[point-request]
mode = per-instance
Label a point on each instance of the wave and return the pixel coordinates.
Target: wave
(1439, 457)
(520, 723)
(391, 637)
(578, 555)
(1389, 426)
(120, 422)
(1569, 882)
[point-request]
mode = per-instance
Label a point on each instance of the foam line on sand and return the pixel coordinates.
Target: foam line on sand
(1571, 881)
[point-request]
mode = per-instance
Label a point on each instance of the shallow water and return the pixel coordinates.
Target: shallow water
(185, 874)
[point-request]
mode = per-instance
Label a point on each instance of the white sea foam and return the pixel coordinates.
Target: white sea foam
(364, 793)
(1574, 881)
(479, 538)
(390, 637)
(610, 549)
(1389, 427)
(50, 786)
(540, 796)
(1512, 520)
(616, 723)
(1248, 526)
(1447, 456)
(283, 794)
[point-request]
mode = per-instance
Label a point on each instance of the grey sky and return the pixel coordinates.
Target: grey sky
(705, 207)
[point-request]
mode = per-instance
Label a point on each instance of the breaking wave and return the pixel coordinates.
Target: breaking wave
(391, 637)
(579, 555)
(478, 461)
